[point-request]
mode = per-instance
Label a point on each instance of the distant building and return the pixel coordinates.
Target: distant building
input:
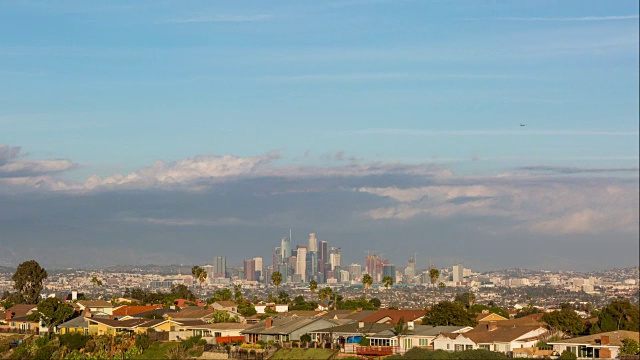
(458, 273)
(285, 247)
(355, 271)
(335, 257)
(258, 265)
(313, 243)
(219, 267)
(389, 270)
(250, 270)
(301, 263)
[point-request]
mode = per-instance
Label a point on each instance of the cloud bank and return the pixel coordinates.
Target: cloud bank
(222, 203)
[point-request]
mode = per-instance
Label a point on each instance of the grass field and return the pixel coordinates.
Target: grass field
(302, 354)
(156, 351)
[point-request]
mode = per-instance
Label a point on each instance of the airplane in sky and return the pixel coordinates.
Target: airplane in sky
(523, 124)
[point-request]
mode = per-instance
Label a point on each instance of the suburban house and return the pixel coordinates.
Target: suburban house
(213, 333)
(101, 326)
(491, 337)
(348, 334)
(79, 324)
(205, 315)
(16, 317)
(280, 308)
(97, 307)
(228, 305)
(599, 346)
(285, 328)
(415, 336)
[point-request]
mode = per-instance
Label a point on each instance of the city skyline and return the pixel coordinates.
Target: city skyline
(502, 135)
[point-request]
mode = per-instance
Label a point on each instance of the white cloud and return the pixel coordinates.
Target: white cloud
(544, 205)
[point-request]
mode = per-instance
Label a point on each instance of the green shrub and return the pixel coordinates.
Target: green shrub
(142, 341)
(568, 355)
(480, 355)
(44, 353)
(42, 341)
(73, 341)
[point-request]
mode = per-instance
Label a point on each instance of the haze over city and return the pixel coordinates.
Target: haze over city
(495, 134)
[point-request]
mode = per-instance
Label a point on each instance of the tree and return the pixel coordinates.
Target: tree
(565, 320)
(96, 282)
(28, 280)
(276, 278)
(434, 274)
(376, 303)
(620, 314)
(367, 281)
(400, 329)
(246, 309)
(449, 314)
(629, 347)
(237, 293)
(387, 281)
(478, 308)
(467, 299)
(568, 355)
(313, 285)
(325, 293)
(283, 297)
(52, 312)
(199, 275)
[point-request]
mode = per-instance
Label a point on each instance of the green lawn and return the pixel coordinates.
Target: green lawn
(157, 350)
(302, 354)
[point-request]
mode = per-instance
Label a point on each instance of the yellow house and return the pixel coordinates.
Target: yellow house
(100, 326)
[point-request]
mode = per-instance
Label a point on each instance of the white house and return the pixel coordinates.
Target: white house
(97, 307)
(599, 346)
(416, 336)
(491, 337)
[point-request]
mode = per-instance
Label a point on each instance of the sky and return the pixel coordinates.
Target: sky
(171, 132)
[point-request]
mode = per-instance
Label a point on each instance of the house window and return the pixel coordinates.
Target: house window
(217, 334)
(485, 347)
(424, 342)
(448, 346)
(408, 343)
(469, 347)
(459, 348)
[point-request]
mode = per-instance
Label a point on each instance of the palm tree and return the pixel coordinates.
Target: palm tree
(96, 282)
(199, 274)
(441, 286)
(313, 285)
(276, 278)
(367, 281)
(325, 293)
(400, 329)
(434, 274)
(471, 298)
(388, 281)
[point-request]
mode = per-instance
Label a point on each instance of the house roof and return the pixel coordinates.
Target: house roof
(76, 322)
(226, 303)
(529, 320)
(133, 310)
(21, 310)
(421, 330)
(302, 313)
(480, 335)
(615, 338)
(348, 314)
(192, 314)
(218, 326)
(130, 323)
(95, 303)
(394, 316)
(283, 325)
(353, 327)
(490, 317)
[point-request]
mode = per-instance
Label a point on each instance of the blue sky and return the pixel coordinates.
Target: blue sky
(108, 88)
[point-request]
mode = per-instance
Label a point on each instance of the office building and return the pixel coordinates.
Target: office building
(389, 270)
(313, 243)
(301, 262)
(250, 270)
(285, 247)
(219, 267)
(458, 273)
(355, 272)
(258, 267)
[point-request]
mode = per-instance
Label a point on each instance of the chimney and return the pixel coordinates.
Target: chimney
(268, 323)
(361, 324)
(74, 295)
(87, 312)
(604, 340)
(411, 325)
(8, 315)
(492, 325)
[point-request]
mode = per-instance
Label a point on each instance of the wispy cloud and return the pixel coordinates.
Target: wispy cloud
(386, 76)
(560, 19)
(221, 19)
(422, 132)
(575, 170)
